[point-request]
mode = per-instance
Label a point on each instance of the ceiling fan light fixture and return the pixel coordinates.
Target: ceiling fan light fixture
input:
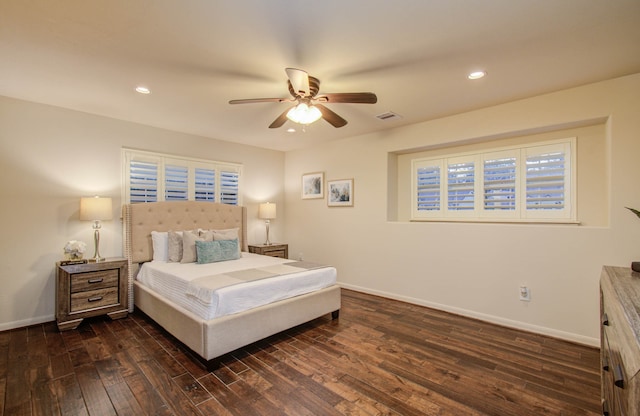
(476, 74)
(143, 90)
(304, 114)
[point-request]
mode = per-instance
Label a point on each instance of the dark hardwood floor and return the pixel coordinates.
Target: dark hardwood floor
(381, 357)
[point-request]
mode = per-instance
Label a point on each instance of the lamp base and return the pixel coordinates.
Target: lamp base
(96, 260)
(267, 243)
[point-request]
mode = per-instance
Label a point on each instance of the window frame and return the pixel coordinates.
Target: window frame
(480, 213)
(163, 160)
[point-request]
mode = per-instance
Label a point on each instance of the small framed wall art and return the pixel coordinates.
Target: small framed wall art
(340, 193)
(313, 185)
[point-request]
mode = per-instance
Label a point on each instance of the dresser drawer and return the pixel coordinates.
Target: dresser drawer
(275, 253)
(614, 379)
(81, 282)
(620, 341)
(623, 343)
(91, 299)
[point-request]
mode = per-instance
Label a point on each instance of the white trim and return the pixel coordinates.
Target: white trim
(566, 214)
(163, 159)
(554, 333)
(26, 322)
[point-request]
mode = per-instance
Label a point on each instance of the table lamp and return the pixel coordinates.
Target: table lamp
(267, 212)
(96, 209)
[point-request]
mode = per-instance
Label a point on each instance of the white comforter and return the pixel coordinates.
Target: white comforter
(171, 281)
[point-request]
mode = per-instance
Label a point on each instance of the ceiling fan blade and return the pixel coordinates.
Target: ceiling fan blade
(299, 81)
(331, 117)
(260, 100)
(349, 97)
(278, 122)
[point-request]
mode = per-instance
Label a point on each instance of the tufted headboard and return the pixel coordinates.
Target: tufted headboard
(141, 219)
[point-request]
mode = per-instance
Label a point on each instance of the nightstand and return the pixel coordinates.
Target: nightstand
(90, 289)
(273, 250)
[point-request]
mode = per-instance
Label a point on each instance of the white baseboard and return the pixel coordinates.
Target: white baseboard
(567, 336)
(26, 322)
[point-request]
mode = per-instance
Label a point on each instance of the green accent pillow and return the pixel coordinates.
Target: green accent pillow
(214, 251)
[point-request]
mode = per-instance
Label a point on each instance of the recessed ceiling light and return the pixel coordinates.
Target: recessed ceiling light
(291, 130)
(476, 74)
(143, 90)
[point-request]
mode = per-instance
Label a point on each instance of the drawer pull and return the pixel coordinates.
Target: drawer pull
(605, 319)
(605, 408)
(605, 363)
(99, 280)
(95, 299)
(618, 377)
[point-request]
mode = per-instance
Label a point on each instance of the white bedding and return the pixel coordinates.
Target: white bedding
(171, 280)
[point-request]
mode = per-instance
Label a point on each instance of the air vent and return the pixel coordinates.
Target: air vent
(389, 115)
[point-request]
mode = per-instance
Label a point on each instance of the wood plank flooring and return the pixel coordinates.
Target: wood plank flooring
(381, 357)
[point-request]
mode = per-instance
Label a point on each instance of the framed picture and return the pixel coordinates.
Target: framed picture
(313, 185)
(340, 193)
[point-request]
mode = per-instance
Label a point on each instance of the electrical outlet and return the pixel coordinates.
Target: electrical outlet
(525, 294)
(300, 258)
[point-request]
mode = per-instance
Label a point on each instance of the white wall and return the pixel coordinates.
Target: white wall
(470, 268)
(50, 157)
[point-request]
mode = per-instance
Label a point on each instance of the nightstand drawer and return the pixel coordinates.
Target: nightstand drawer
(273, 250)
(91, 299)
(94, 280)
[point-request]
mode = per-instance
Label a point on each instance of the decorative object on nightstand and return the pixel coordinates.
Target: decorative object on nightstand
(96, 209)
(74, 250)
(273, 250)
(90, 289)
(267, 212)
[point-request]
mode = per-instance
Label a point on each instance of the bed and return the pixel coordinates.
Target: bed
(214, 334)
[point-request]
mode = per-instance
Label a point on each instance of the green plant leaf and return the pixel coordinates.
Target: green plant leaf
(635, 211)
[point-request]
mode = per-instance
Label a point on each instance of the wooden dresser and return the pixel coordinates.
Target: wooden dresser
(620, 341)
(91, 289)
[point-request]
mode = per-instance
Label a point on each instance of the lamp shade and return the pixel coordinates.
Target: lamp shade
(267, 211)
(304, 114)
(96, 208)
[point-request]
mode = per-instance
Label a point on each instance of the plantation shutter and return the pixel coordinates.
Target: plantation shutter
(461, 185)
(151, 177)
(176, 179)
(427, 188)
(533, 183)
(229, 187)
(205, 184)
(143, 181)
(548, 181)
(500, 183)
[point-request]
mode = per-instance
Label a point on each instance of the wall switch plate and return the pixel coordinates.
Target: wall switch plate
(525, 294)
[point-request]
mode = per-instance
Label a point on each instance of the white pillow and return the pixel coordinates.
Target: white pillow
(175, 244)
(189, 253)
(160, 243)
(228, 234)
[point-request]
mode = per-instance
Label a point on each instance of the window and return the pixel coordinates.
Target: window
(151, 177)
(530, 183)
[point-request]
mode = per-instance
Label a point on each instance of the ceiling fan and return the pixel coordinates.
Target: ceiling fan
(310, 106)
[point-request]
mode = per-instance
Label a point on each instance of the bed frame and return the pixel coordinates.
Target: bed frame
(213, 338)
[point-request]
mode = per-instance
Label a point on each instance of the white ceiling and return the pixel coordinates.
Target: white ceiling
(196, 55)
